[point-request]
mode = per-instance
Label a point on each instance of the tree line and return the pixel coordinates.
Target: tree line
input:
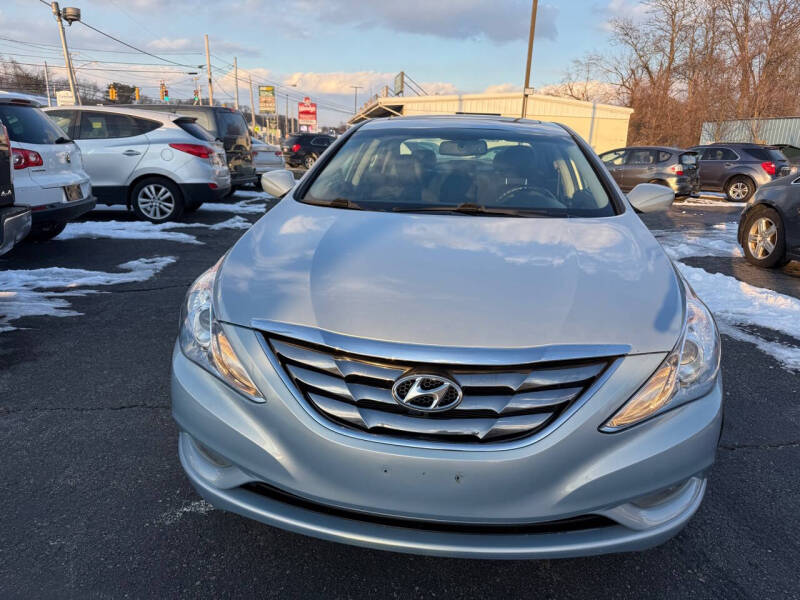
(684, 62)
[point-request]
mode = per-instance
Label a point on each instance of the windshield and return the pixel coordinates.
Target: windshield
(462, 170)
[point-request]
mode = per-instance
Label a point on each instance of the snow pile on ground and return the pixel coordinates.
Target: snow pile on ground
(709, 199)
(23, 293)
(743, 311)
(255, 206)
(717, 241)
(144, 230)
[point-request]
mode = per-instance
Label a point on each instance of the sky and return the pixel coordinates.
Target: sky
(314, 48)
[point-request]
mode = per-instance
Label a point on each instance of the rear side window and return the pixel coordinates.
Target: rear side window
(101, 126)
(663, 156)
(29, 125)
(195, 130)
(766, 154)
(231, 124)
(321, 141)
(641, 157)
(719, 154)
(62, 118)
(615, 157)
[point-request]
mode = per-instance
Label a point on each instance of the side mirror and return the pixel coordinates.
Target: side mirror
(277, 183)
(650, 197)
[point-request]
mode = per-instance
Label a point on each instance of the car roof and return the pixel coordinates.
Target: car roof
(735, 145)
(21, 99)
(468, 121)
(164, 117)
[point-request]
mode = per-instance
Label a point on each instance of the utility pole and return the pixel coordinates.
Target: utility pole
(530, 55)
(73, 86)
(355, 99)
(252, 102)
(287, 115)
(47, 85)
(208, 68)
(236, 88)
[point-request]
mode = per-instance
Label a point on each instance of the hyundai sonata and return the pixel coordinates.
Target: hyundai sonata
(453, 336)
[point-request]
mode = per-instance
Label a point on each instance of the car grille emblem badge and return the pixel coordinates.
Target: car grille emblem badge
(426, 393)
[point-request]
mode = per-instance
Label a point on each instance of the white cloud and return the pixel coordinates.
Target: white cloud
(503, 88)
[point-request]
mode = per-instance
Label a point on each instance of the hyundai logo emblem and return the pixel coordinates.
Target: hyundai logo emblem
(426, 393)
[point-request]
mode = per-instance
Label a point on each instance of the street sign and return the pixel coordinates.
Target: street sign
(266, 99)
(307, 113)
(65, 98)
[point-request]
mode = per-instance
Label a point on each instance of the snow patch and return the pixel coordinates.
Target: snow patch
(144, 230)
(200, 507)
(22, 295)
(244, 207)
(720, 240)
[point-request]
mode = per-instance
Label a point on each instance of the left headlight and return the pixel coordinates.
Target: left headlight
(689, 371)
(203, 340)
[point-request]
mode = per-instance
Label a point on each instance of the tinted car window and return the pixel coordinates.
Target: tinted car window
(641, 157)
(615, 157)
(790, 151)
(231, 124)
(663, 156)
(195, 130)
(320, 141)
(766, 154)
(493, 171)
(29, 125)
(719, 154)
(102, 125)
(62, 118)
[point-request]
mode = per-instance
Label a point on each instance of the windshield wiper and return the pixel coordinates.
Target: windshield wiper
(336, 203)
(470, 208)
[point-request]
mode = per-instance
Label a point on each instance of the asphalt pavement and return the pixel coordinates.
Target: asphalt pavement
(95, 504)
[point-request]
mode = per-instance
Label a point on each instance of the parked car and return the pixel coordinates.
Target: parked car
(225, 125)
(769, 226)
(267, 157)
(48, 169)
(739, 169)
(158, 164)
(493, 358)
(15, 221)
(303, 149)
(792, 153)
(663, 165)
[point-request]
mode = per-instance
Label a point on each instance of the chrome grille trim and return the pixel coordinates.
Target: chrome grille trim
(352, 393)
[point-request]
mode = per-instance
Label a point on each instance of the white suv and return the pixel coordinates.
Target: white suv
(158, 164)
(48, 170)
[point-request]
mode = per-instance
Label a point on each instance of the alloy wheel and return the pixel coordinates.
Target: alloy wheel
(156, 201)
(762, 238)
(739, 190)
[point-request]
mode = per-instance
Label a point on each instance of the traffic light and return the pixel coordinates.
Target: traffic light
(164, 92)
(136, 94)
(112, 93)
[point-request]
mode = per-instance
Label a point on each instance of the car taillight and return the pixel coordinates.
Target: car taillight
(197, 150)
(769, 167)
(676, 169)
(296, 148)
(255, 153)
(24, 159)
(278, 153)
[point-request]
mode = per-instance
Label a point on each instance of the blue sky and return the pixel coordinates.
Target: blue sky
(324, 46)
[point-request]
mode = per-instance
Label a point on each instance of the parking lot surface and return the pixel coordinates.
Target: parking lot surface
(95, 503)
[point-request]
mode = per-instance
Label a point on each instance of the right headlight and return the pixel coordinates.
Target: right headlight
(203, 340)
(688, 372)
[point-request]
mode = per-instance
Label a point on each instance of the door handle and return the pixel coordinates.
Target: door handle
(131, 153)
(727, 165)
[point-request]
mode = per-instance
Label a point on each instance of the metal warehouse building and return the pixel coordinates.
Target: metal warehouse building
(602, 125)
(779, 130)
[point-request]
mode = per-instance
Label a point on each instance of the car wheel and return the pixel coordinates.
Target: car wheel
(45, 232)
(739, 189)
(659, 182)
(157, 200)
(763, 240)
(309, 161)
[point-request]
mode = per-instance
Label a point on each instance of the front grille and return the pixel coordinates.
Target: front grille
(499, 403)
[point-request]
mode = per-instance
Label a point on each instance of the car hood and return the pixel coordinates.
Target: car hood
(454, 280)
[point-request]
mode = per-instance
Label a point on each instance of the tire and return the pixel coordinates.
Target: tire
(309, 160)
(740, 189)
(763, 238)
(157, 200)
(659, 182)
(45, 232)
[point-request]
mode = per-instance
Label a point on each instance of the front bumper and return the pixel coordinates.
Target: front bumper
(61, 212)
(15, 223)
(446, 502)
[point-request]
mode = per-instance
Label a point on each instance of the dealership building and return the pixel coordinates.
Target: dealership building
(604, 126)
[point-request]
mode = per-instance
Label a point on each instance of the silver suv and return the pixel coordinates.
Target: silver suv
(158, 164)
(453, 337)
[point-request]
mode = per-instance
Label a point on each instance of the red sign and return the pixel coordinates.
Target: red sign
(307, 113)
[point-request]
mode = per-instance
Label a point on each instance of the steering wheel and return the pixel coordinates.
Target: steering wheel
(528, 190)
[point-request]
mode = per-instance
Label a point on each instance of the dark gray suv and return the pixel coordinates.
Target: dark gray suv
(664, 165)
(739, 169)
